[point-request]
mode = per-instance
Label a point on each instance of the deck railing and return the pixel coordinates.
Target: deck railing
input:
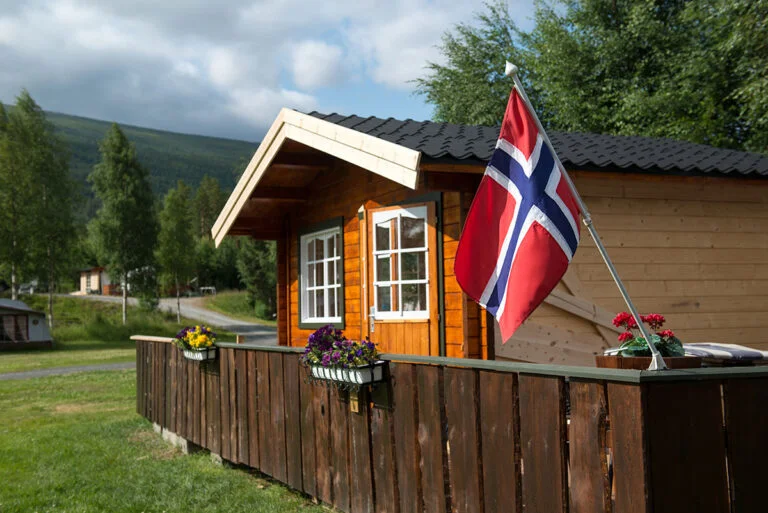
(450, 435)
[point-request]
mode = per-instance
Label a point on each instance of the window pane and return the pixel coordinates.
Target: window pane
(414, 297)
(331, 302)
(311, 250)
(413, 266)
(338, 272)
(331, 246)
(384, 298)
(320, 299)
(383, 272)
(413, 232)
(337, 244)
(311, 275)
(331, 272)
(319, 274)
(382, 236)
(310, 308)
(319, 250)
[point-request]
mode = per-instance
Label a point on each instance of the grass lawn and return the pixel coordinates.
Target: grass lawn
(74, 443)
(90, 332)
(235, 304)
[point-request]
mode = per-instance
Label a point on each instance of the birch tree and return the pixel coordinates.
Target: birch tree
(176, 241)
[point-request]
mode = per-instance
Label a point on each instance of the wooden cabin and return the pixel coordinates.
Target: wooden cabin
(22, 327)
(367, 214)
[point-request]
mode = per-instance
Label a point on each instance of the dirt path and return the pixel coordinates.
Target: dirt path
(58, 371)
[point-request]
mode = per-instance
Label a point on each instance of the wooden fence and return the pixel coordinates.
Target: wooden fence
(475, 436)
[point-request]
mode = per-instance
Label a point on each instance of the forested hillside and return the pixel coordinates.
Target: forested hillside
(169, 156)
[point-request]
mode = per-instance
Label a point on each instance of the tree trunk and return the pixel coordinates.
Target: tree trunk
(125, 299)
(14, 285)
(178, 302)
(50, 289)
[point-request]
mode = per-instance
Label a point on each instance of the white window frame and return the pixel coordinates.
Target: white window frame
(419, 212)
(304, 288)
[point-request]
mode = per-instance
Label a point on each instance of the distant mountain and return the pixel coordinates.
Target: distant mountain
(169, 156)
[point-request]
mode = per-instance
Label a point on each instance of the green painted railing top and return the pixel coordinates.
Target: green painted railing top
(621, 375)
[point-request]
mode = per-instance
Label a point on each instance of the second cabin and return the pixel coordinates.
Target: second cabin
(367, 215)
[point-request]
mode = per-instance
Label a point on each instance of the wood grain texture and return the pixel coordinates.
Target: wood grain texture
(360, 465)
(406, 433)
(277, 409)
(500, 434)
(340, 476)
(307, 424)
(253, 410)
(323, 443)
(243, 435)
(542, 441)
(383, 460)
(746, 426)
(233, 423)
(292, 377)
(433, 459)
(263, 399)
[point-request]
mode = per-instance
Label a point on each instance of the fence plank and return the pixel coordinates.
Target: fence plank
(464, 455)
(224, 403)
(194, 369)
(180, 409)
(208, 405)
(253, 411)
(340, 451)
(139, 371)
(500, 435)
(203, 404)
(590, 486)
(277, 407)
(153, 382)
(747, 425)
(241, 370)
(625, 406)
(215, 418)
(407, 449)
(360, 472)
(292, 420)
(308, 462)
(172, 389)
(383, 456)
(167, 389)
(432, 447)
(684, 423)
(233, 449)
(542, 442)
(266, 438)
(322, 414)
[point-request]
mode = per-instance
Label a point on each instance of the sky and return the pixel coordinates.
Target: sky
(225, 69)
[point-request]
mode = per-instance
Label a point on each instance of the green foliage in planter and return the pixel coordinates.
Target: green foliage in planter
(667, 346)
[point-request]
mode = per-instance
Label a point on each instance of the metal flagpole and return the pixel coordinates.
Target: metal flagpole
(657, 363)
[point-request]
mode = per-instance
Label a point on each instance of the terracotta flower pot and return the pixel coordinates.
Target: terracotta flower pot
(642, 362)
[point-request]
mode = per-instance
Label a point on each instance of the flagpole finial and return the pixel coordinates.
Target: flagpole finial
(510, 69)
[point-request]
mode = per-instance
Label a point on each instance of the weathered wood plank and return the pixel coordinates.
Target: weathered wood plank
(139, 371)
(433, 460)
(340, 477)
(224, 404)
(209, 407)
(625, 406)
(277, 408)
(500, 435)
(190, 421)
(746, 427)
(264, 420)
(684, 423)
(360, 472)
(241, 376)
(590, 486)
(233, 449)
(203, 405)
(293, 376)
(383, 460)
(542, 441)
(322, 421)
(308, 462)
(407, 448)
(215, 418)
(172, 389)
(464, 455)
(253, 411)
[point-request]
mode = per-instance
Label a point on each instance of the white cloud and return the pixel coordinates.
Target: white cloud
(316, 64)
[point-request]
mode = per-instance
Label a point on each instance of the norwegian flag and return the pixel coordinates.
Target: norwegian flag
(521, 231)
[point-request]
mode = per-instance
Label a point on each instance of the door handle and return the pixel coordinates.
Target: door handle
(371, 319)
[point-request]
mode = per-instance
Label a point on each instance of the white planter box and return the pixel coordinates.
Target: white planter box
(355, 376)
(200, 356)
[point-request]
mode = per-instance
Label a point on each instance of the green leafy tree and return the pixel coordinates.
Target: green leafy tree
(691, 70)
(256, 264)
(125, 227)
(209, 200)
(175, 250)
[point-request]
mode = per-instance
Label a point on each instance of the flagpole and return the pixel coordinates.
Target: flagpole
(657, 363)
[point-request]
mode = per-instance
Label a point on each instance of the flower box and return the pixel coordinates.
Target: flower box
(201, 355)
(643, 362)
(364, 375)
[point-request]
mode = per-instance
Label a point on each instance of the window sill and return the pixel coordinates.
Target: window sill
(338, 323)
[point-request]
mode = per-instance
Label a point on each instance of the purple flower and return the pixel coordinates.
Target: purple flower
(326, 360)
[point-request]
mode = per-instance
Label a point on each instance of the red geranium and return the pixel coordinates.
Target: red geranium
(655, 321)
(666, 334)
(627, 335)
(624, 320)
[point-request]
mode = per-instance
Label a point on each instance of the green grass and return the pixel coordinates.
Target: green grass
(235, 304)
(91, 332)
(75, 444)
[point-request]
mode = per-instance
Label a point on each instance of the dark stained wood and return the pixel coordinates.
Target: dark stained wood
(277, 407)
(340, 476)
(224, 404)
(642, 362)
(746, 428)
(209, 411)
(215, 417)
(430, 435)
(407, 449)
(360, 471)
(322, 421)
(233, 449)
(292, 375)
(686, 447)
(464, 464)
(542, 443)
(241, 377)
(625, 407)
(189, 400)
(195, 370)
(308, 462)
(167, 385)
(383, 460)
(590, 487)
(139, 371)
(253, 411)
(500, 435)
(203, 421)
(173, 387)
(264, 419)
